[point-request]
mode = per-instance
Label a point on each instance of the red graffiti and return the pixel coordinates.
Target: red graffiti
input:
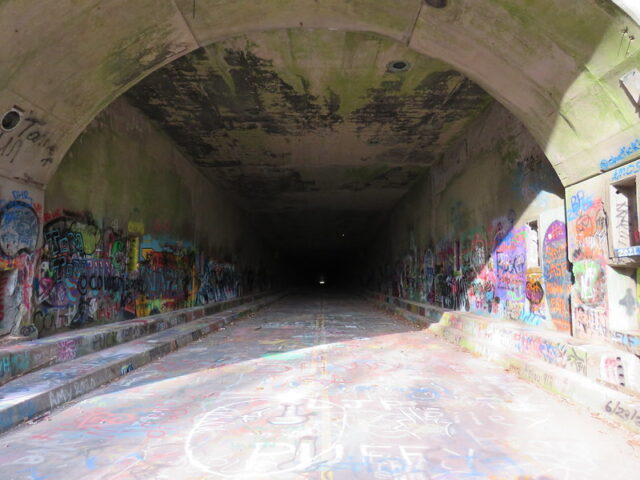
(534, 292)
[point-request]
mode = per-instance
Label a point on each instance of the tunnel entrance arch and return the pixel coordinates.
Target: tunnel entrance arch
(552, 73)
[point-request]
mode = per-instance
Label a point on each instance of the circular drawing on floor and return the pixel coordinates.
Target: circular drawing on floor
(264, 438)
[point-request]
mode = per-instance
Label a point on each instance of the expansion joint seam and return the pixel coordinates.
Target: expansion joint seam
(415, 23)
(186, 23)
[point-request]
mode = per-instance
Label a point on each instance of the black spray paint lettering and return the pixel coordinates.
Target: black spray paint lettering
(11, 143)
(623, 413)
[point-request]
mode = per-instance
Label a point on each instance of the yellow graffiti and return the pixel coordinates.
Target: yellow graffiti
(134, 249)
(90, 236)
(145, 307)
(135, 228)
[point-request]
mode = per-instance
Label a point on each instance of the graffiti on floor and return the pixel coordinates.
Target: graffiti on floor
(321, 410)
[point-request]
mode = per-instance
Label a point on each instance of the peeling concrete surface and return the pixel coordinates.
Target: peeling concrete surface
(319, 387)
(272, 99)
(310, 119)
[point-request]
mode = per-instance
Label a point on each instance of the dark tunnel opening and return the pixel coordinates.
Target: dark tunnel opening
(324, 271)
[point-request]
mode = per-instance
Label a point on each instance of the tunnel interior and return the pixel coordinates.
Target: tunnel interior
(391, 155)
(317, 134)
(299, 157)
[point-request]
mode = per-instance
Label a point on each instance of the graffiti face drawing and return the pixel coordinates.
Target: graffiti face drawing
(18, 229)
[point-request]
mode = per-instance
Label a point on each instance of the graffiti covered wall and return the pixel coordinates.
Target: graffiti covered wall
(90, 272)
(604, 248)
(131, 229)
(20, 226)
(484, 232)
(588, 249)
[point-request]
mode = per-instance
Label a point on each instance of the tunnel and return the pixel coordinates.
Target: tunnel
(320, 239)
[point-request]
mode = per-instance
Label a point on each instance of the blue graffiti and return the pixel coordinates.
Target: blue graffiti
(22, 195)
(627, 170)
(579, 203)
(628, 340)
(623, 154)
(531, 318)
(628, 252)
(19, 228)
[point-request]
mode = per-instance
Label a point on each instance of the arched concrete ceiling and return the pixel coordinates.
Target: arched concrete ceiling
(314, 129)
(556, 64)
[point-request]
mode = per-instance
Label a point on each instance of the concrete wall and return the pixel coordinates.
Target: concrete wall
(464, 239)
(129, 228)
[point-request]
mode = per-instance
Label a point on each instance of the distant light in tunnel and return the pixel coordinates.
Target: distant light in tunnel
(321, 282)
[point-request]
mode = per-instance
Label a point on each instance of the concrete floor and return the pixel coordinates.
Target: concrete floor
(319, 387)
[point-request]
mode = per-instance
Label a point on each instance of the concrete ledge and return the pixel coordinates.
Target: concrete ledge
(419, 313)
(40, 391)
(22, 358)
(613, 405)
(604, 379)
